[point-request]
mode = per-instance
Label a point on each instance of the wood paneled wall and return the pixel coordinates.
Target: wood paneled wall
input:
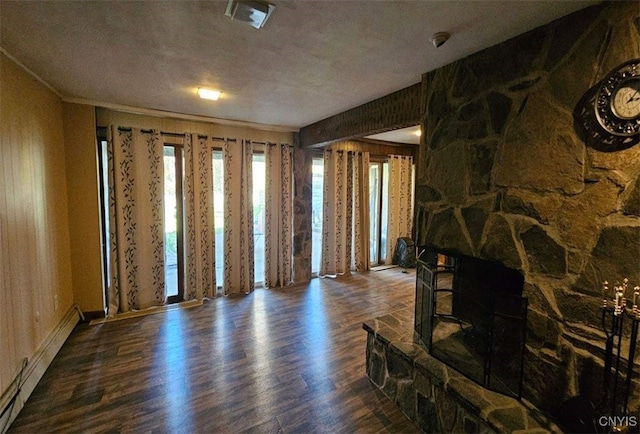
(35, 272)
(84, 206)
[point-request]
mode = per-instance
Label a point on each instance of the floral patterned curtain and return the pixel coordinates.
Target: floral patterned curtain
(400, 211)
(278, 215)
(200, 275)
(361, 220)
(135, 220)
(345, 188)
(238, 217)
(136, 192)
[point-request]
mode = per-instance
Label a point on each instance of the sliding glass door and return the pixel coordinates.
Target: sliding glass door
(317, 188)
(259, 180)
(258, 175)
(173, 191)
(173, 187)
(378, 211)
(173, 229)
(218, 213)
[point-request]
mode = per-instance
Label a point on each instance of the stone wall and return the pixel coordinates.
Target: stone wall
(302, 166)
(503, 174)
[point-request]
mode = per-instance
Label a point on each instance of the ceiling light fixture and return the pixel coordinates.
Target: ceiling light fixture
(253, 12)
(209, 93)
(418, 132)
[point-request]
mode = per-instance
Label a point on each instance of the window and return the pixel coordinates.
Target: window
(259, 181)
(104, 207)
(317, 188)
(378, 211)
(384, 213)
(218, 213)
(173, 229)
(375, 181)
(173, 217)
(173, 191)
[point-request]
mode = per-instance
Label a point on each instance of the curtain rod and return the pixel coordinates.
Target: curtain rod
(172, 134)
(164, 133)
(200, 136)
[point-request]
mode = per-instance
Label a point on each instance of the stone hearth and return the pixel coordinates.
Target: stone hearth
(434, 396)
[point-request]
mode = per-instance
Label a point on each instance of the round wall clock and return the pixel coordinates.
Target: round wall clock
(617, 102)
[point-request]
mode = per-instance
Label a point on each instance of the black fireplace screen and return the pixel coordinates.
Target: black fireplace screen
(471, 315)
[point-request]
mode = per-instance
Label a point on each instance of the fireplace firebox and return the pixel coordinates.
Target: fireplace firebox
(471, 315)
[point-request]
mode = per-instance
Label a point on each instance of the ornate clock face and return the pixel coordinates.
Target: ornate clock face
(617, 104)
(625, 103)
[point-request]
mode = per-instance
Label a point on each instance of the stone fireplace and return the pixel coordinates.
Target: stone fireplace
(505, 174)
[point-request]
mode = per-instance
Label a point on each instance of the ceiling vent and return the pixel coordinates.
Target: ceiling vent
(253, 12)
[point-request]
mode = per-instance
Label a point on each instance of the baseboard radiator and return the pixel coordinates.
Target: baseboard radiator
(31, 370)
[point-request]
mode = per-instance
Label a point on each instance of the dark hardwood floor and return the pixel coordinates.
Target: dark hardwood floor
(288, 360)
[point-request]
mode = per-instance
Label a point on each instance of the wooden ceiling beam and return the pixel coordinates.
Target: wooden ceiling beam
(399, 109)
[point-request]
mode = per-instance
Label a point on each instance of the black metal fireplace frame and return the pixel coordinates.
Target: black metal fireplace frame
(427, 315)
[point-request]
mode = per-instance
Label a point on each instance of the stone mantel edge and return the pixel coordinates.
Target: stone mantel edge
(401, 367)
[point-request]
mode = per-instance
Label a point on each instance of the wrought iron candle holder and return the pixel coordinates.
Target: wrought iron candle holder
(615, 312)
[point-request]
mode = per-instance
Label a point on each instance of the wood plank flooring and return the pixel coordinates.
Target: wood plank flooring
(288, 360)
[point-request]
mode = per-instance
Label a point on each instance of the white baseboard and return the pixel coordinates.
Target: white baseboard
(37, 366)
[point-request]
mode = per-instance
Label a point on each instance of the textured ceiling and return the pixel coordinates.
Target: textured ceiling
(313, 59)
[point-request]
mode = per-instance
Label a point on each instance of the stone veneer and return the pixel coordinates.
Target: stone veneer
(434, 396)
(504, 175)
(302, 167)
